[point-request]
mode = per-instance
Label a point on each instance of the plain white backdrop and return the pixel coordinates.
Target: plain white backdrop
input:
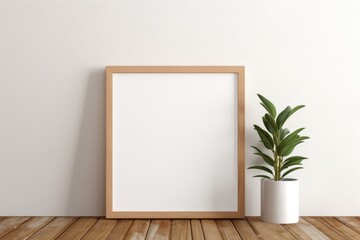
(52, 89)
(175, 142)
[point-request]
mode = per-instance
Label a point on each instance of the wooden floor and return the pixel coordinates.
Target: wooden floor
(250, 228)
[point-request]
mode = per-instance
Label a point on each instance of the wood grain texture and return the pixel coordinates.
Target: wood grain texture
(351, 222)
(304, 230)
(181, 230)
(27, 229)
(120, 230)
(270, 231)
(245, 230)
(159, 230)
(78, 229)
(109, 141)
(240, 71)
(318, 228)
(175, 69)
(241, 140)
(54, 228)
(228, 230)
(340, 228)
(100, 230)
(9, 224)
(330, 233)
(138, 230)
(211, 230)
(196, 230)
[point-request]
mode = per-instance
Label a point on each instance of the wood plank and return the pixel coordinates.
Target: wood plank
(159, 230)
(244, 229)
(181, 230)
(211, 230)
(9, 224)
(100, 230)
(351, 222)
(196, 230)
(120, 230)
(304, 230)
(28, 228)
(138, 230)
(78, 229)
(54, 228)
(268, 230)
(340, 228)
(324, 228)
(228, 230)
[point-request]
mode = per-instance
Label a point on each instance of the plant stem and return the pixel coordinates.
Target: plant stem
(277, 167)
(276, 138)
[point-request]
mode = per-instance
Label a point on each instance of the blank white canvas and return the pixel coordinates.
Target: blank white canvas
(175, 142)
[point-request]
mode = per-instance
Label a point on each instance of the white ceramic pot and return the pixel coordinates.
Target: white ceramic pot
(280, 201)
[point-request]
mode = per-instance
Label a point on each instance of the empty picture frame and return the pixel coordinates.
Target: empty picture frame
(175, 142)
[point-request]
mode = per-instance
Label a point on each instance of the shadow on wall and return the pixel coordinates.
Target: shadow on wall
(87, 190)
(251, 203)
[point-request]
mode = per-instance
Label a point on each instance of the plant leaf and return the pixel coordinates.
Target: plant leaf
(272, 123)
(291, 162)
(261, 168)
(263, 176)
(283, 133)
(280, 120)
(296, 140)
(268, 125)
(290, 165)
(289, 171)
(266, 157)
(269, 106)
(291, 136)
(286, 113)
(288, 150)
(265, 137)
(294, 158)
(296, 109)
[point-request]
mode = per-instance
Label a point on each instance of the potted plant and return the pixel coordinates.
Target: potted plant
(279, 195)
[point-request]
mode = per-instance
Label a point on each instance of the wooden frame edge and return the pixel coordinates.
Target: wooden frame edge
(108, 187)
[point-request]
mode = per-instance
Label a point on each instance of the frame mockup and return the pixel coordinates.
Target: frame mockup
(175, 142)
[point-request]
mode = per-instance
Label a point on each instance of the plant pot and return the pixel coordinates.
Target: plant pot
(280, 201)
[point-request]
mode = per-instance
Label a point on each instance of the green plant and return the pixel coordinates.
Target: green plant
(279, 141)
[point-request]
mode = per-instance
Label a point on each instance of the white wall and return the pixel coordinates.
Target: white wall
(52, 98)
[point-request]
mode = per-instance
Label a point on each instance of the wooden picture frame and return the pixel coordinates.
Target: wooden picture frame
(116, 98)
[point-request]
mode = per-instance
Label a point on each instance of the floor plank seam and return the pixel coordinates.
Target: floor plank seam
(326, 227)
(202, 229)
(341, 232)
(16, 227)
(89, 228)
(111, 230)
(254, 229)
(148, 229)
(191, 231)
(66, 228)
(127, 231)
(41, 228)
(232, 223)
(349, 225)
(288, 229)
(329, 227)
